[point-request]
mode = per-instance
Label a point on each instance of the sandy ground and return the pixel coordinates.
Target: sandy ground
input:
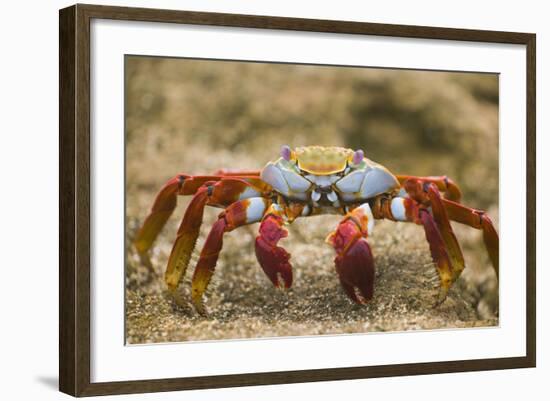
(196, 117)
(243, 303)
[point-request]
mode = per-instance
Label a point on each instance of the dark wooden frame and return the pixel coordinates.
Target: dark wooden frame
(74, 199)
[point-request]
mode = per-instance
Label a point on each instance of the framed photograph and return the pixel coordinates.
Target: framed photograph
(250, 200)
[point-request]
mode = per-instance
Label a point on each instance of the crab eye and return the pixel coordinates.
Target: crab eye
(285, 152)
(358, 156)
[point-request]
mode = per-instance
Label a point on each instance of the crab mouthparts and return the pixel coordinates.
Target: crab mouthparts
(324, 190)
(319, 191)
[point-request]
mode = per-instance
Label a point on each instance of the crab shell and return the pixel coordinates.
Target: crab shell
(327, 176)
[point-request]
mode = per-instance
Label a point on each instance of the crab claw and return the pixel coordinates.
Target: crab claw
(274, 259)
(354, 261)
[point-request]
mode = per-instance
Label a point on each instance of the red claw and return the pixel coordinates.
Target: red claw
(354, 262)
(274, 259)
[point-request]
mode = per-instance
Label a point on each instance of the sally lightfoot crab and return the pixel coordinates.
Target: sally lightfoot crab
(308, 181)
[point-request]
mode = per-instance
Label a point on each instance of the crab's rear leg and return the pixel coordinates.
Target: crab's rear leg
(163, 206)
(354, 261)
(239, 213)
(480, 220)
(241, 173)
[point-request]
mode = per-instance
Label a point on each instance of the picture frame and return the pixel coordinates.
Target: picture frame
(76, 201)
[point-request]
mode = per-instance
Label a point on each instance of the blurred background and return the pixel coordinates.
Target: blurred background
(196, 116)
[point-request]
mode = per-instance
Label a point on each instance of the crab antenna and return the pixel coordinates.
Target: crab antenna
(358, 156)
(285, 152)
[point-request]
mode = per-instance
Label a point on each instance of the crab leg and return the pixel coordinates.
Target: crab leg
(164, 205)
(443, 183)
(220, 193)
(445, 210)
(440, 255)
(239, 213)
(427, 194)
(354, 260)
(445, 251)
(477, 219)
(454, 252)
(211, 190)
(186, 238)
(166, 199)
(442, 219)
(240, 173)
(274, 259)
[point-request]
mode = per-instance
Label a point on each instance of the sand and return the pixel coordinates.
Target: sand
(242, 302)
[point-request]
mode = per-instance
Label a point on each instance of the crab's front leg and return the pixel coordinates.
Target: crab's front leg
(239, 213)
(354, 260)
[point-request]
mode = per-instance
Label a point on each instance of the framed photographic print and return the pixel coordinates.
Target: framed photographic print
(251, 200)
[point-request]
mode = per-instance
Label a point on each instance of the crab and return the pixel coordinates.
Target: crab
(308, 181)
